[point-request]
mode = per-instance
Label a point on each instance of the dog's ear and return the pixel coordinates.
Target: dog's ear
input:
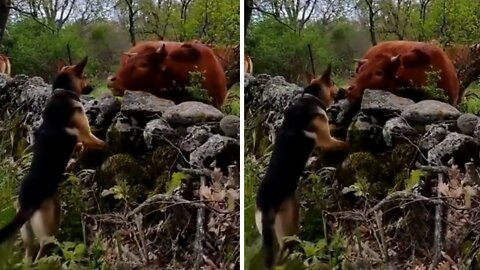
(60, 64)
(309, 77)
(79, 68)
(326, 75)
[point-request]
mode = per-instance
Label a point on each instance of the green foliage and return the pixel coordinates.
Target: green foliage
(232, 106)
(431, 86)
(252, 177)
(415, 177)
(195, 88)
(338, 37)
(176, 181)
(471, 100)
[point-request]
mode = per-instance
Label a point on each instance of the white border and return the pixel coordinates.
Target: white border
(242, 134)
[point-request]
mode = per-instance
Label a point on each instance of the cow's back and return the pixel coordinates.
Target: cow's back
(419, 76)
(181, 63)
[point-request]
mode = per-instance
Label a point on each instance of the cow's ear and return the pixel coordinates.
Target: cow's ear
(309, 77)
(60, 64)
(360, 62)
(415, 58)
(80, 66)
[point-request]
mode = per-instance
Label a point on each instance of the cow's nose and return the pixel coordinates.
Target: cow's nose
(111, 78)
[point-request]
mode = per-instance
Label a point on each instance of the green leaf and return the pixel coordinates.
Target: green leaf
(80, 249)
(176, 181)
(415, 177)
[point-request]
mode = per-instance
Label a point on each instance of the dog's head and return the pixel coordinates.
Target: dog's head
(322, 87)
(71, 77)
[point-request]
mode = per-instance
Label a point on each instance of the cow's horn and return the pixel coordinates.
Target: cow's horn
(162, 49)
(360, 61)
(129, 54)
(394, 58)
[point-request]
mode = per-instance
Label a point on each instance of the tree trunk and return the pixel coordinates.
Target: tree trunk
(248, 15)
(4, 11)
(371, 20)
(131, 22)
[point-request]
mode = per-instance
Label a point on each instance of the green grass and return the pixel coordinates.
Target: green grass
(100, 88)
(232, 106)
(471, 100)
(10, 173)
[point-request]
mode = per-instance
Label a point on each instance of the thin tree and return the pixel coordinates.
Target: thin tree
(131, 21)
(371, 20)
(4, 11)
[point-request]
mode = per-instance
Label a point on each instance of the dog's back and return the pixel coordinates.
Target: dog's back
(277, 207)
(291, 151)
(52, 149)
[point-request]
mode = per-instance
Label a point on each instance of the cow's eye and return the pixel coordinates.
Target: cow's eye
(379, 73)
(144, 65)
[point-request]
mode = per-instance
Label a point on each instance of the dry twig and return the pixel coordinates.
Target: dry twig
(200, 233)
(438, 243)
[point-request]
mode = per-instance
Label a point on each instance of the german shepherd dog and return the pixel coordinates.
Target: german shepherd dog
(305, 126)
(64, 125)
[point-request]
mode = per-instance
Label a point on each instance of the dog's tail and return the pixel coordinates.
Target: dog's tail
(269, 238)
(22, 216)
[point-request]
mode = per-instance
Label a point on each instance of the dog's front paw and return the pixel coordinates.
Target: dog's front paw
(95, 143)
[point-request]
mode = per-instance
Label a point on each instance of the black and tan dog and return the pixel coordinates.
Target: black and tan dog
(64, 125)
(305, 125)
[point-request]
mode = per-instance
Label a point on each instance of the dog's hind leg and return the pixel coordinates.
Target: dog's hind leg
(45, 223)
(27, 236)
(287, 223)
(85, 135)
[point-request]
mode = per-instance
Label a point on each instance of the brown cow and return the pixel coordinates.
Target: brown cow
(229, 57)
(5, 65)
(248, 64)
(154, 66)
(392, 65)
(466, 59)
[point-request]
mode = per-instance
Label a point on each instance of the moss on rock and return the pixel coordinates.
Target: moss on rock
(378, 174)
(164, 157)
(121, 167)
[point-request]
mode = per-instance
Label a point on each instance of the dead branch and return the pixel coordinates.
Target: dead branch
(471, 173)
(381, 232)
(438, 243)
(433, 169)
(200, 233)
(143, 246)
(233, 176)
(196, 172)
(401, 195)
(311, 59)
(163, 197)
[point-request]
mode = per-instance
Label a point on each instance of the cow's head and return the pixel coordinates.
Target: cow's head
(139, 71)
(322, 87)
(378, 72)
(388, 72)
(76, 76)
